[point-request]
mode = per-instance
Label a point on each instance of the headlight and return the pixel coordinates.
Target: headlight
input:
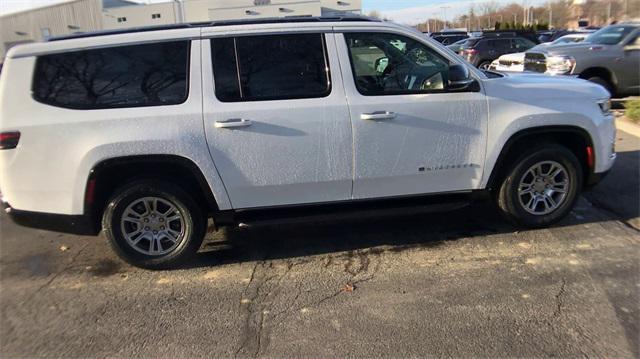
(560, 65)
(605, 106)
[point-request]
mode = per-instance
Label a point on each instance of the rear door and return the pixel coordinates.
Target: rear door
(276, 119)
(411, 135)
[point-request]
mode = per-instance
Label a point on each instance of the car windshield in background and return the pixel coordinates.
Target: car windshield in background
(609, 35)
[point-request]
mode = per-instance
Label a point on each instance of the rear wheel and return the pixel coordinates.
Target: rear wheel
(153, 224)
(541, 187)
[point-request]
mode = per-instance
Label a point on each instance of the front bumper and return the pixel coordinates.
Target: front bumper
(80, 225)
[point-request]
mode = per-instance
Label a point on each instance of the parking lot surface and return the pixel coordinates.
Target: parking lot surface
(457, 284)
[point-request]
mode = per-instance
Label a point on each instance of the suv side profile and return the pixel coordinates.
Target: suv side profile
(149, 134)
(483, 50)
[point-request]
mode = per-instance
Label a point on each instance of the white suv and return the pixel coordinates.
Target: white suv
(148, 133)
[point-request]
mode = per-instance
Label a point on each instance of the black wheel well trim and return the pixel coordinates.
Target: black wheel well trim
(599, 69)
(501, 161)
(94, 207)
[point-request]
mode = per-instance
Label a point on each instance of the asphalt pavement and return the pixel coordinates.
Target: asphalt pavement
(456, 284)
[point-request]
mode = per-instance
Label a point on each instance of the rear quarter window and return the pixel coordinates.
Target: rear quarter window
(125, 76)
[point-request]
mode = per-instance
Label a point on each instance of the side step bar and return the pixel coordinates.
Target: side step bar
(344, 211)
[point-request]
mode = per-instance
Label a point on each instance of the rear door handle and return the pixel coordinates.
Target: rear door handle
(233, 123)
(378, 115)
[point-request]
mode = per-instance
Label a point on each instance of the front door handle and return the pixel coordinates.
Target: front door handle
(378, 115)
(233, 123)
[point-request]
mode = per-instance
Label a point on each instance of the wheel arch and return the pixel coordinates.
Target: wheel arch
(574, 138)
(109, 174)
(600, 71)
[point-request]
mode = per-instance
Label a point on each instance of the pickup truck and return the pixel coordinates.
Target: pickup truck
(609, 57)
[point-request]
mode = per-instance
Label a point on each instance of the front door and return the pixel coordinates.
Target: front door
(411, 136)
(276, 119)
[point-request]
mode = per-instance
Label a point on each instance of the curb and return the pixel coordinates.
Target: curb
(628, 127)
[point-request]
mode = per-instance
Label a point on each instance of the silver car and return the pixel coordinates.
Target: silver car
(609, 57)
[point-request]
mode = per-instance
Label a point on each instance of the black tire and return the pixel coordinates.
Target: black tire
(508, 199)
(192, 225)
(602, 82)
(484, 65)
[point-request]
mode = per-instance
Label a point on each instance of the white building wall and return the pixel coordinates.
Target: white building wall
(246, 9)
(209, 10)
(339, 7)
(57, 20)
(143, 15)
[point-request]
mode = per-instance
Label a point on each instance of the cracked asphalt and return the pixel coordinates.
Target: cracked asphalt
(456, 284)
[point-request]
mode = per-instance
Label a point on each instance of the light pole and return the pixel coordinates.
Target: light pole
(444, 11)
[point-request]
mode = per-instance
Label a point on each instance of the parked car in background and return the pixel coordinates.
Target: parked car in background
(527, 34)
(457, 46)
(149, 133)
(449, 37)
(481, 51)
(609, 57)
(515, 62)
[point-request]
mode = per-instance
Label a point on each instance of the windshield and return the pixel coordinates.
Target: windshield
(609, 35)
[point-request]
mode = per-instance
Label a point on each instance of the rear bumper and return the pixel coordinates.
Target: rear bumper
(80, 225)
(595, 178)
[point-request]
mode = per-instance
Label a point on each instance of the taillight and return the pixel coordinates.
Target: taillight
(9, 140)
(591, 161)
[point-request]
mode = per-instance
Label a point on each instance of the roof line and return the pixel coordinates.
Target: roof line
(293, 19)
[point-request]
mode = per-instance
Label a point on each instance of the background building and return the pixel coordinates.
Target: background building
(91, 15)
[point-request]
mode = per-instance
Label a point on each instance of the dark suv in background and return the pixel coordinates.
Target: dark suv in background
(482, 50)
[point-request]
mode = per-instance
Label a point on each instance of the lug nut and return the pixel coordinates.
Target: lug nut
(146, 228)
(146, 220)
(161, 219)
(162, 228)
(155, 232)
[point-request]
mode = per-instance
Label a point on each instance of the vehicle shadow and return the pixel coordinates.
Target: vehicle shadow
(413, 230)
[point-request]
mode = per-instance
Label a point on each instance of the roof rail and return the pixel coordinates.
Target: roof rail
(292, 19)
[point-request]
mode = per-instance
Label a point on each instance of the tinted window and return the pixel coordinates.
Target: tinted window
(388, 64)
(126, 76)
(274, 67)
(499, 44)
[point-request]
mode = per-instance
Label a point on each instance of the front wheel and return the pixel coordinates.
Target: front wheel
(153, 224)
(541, 187)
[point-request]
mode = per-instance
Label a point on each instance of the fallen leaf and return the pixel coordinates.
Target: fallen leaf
(348, 288)
(64, 248)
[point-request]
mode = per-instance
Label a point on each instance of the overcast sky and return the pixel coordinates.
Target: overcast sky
(406, 11)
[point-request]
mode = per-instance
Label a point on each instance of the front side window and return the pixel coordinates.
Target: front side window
(125, 76)
(270, 67)
(501, 44)
(389, 64)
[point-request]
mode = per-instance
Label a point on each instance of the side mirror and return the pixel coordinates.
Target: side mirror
(459, 77)
(381, 64)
